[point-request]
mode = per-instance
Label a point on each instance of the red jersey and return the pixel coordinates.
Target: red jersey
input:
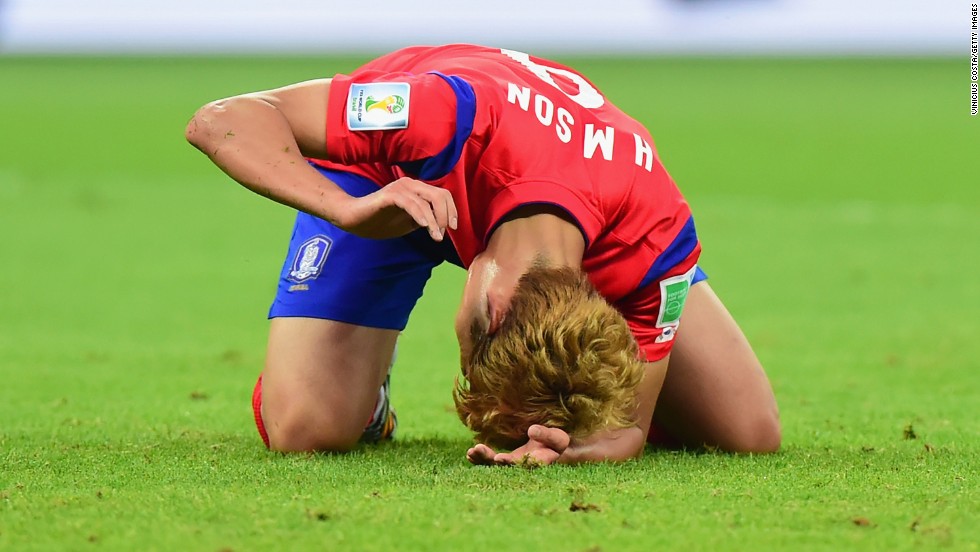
(500, 129)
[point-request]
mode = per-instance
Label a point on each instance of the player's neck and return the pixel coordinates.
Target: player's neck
(536, 234)
(527, 236)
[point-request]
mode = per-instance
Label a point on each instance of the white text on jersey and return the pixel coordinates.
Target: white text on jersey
(593, 139)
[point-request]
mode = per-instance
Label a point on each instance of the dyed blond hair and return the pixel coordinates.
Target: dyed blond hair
(563, 357)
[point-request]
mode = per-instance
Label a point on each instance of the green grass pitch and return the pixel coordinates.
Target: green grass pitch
(839, 207)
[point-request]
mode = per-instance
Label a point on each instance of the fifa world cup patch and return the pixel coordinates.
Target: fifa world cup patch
(673, 295)
(378, 106)
(309, 259)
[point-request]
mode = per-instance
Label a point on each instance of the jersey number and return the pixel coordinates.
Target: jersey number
(587, 97)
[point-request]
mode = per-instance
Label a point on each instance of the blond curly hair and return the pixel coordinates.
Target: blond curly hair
(563, 357)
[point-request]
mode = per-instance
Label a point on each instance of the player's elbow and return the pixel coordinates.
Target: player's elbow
(216, 121)
(200, 129)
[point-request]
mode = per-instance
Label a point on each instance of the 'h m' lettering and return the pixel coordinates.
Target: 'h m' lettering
(602, 139)
(644, 153)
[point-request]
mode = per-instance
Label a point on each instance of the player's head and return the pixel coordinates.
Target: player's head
(563, 357)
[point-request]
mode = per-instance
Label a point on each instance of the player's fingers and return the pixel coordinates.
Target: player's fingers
(505, 459)
(533, 459)
(480, 455)
(440, 200)
(453, 213)
(542, 457)
(436, 227)
(420, 211)
(440, 206)
(551, 437)
(441, 203)
(446, 207)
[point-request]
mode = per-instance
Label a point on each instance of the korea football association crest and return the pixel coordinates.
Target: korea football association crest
(309, 259)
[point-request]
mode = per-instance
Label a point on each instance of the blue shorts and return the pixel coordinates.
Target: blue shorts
(335, 275)
(699, 275)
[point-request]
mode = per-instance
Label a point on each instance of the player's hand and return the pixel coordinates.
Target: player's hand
(545, 446)
(399, 208)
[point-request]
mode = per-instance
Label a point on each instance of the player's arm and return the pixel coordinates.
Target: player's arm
(261, 141)
(548, 445)
(623, 444)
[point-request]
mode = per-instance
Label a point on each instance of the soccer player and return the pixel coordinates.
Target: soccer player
(581, 256)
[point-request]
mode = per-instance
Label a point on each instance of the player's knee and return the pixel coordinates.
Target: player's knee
(302, 430)
(761, 433)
